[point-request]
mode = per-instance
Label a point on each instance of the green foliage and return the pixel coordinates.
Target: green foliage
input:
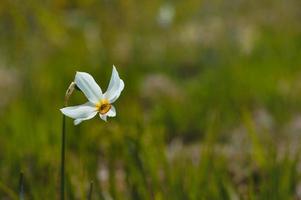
(210, 108)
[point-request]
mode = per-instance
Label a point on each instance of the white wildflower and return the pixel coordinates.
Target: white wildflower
(98, 102)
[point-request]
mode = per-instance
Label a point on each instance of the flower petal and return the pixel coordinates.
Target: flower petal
(79, 120)
(81, 111)
(121, 87)
(111, 112)
(88, 86)
(103, 117)
(115, 87)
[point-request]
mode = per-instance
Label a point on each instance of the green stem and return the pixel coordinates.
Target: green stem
(90, 191)
(63, 158)
(21, 187)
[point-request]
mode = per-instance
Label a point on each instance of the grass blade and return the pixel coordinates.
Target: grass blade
(90, 191)
(21, 186)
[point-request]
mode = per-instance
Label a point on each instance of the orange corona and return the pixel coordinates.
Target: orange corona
(103, 106)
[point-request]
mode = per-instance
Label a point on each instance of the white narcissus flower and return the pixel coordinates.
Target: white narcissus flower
(98, 102)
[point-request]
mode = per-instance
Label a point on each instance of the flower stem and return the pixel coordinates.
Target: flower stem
(90, 191)
(63, 158)
(67, 96)
(21, 187)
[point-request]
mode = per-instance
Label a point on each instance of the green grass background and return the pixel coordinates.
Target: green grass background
(211, 106)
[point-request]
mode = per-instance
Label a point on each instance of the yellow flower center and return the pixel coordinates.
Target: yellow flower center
(103, 106)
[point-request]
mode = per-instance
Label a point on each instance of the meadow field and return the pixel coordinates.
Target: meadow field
(211, 107)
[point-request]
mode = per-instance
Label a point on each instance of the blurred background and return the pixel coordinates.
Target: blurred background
(211, 107)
